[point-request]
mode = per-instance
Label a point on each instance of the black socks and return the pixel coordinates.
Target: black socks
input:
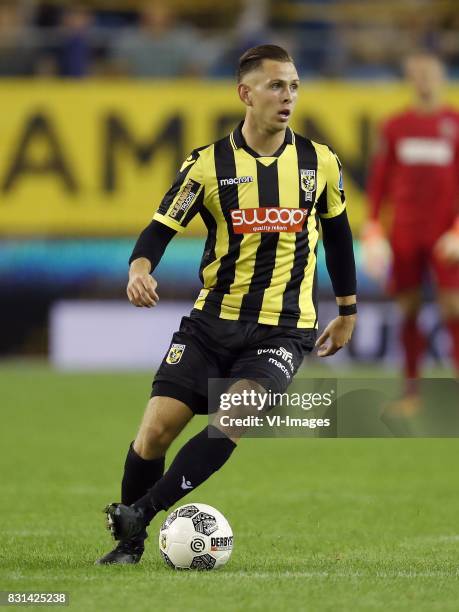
(198, 459)
(139, 476)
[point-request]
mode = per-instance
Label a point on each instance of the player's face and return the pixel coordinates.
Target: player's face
(271, 92)
(426, 76)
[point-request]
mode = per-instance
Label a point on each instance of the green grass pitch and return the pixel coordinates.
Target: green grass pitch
(319, 524)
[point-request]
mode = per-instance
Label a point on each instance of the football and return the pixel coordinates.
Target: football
(195, 536)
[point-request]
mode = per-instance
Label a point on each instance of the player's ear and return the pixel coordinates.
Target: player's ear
(244, 94)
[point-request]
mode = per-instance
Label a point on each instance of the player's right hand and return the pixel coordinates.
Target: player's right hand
(141, 289)
(376, 252)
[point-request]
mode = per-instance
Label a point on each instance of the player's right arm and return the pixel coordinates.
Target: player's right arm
(180, 204)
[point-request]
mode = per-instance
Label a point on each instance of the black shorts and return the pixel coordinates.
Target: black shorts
(209, 347)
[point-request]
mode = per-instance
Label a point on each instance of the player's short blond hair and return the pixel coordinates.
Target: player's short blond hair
(252, 58)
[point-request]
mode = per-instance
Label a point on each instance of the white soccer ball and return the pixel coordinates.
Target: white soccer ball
(195, 536)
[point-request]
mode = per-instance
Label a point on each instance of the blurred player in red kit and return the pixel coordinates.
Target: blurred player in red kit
(416, 169)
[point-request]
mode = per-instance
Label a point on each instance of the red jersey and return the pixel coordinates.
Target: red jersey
(417, 169)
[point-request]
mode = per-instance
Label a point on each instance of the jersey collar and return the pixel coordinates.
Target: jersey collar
(238, 141)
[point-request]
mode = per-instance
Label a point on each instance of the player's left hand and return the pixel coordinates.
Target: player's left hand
(336, 335)
(447, 246)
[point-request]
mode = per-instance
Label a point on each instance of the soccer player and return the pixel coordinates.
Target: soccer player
(416, 167)
(260, 191)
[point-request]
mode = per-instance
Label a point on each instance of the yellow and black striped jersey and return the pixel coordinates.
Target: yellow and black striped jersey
(259, 260)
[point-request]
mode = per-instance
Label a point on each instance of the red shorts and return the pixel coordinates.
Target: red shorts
(413, 262)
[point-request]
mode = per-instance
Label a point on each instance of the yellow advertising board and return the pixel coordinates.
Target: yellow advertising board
(94, 158)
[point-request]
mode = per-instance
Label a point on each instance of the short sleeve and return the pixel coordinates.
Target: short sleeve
(332, 201)
(184, 198)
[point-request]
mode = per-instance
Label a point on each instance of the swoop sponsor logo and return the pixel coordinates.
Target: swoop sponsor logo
(268, 219)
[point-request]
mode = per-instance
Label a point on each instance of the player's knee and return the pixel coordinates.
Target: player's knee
(154, 439)
(161, 433)
(155, 432)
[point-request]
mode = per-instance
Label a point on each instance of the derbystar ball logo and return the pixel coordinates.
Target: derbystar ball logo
(268, 219)
(223, 543)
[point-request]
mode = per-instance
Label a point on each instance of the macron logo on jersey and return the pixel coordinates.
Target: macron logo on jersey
(236, 180)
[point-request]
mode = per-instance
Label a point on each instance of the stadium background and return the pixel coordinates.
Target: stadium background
(100, 102)
(92, 132)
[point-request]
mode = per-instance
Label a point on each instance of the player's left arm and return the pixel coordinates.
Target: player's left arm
(339, 257)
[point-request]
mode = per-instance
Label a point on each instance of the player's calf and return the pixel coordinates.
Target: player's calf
(163, 420)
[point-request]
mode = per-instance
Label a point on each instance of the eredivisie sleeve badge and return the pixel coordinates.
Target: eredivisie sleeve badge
(175, 353)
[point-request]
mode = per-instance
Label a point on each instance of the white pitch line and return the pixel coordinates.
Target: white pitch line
(228, 575)
(27, 533)
(429, 540)
(332, 575)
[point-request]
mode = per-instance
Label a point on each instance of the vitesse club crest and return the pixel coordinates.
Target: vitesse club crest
(308, 183)
(163, 541)
(175, 353)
